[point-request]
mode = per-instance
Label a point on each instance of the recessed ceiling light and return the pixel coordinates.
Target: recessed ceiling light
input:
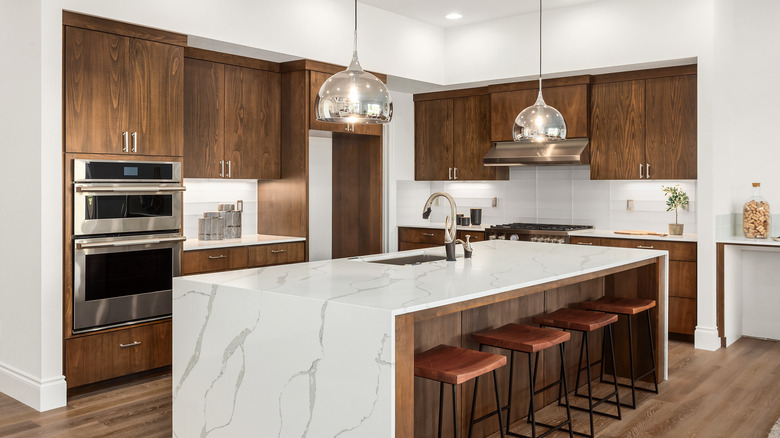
(453, 16)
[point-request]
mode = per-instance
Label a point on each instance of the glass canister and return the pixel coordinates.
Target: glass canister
(755, 215)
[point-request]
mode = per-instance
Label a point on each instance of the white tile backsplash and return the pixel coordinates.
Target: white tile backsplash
(204, 194)
(553, 194)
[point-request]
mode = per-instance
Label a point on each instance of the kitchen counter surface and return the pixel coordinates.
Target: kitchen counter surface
(611, 234)
(246, 240)
(741, 240)
(311, 347)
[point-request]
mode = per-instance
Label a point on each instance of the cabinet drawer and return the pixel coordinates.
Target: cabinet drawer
(682, 315)
(476, 236)
(211, 260)
(682, 279)
(685, 252)
(595, 241)
(405, 246)
(102, 356)
(421, 235)
(276, 254)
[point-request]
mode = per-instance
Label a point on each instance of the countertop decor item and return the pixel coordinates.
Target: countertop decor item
(675, 198)
(755, 215)
(539, 122)
(354, 95)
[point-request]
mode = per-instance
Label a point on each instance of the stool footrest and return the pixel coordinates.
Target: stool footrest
(489, 415)
(549, 426)
(597, 401)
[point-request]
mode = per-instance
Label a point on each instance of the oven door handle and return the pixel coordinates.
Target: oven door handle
(126, 189)
(129, 242)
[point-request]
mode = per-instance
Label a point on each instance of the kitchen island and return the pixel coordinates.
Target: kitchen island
(325, 349)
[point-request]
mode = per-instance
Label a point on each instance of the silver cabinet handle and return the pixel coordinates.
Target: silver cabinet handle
(645, 247)
(455, 173)
(647, 171)
(641, 169)
(126, 189)
(221, 168)
(129, 242)
(217, 257)
(428, 234)
(584, 243)
(125, 144)
(277, 251)
(135, 142)
(229, 169)
(130, 345)
(449, 173)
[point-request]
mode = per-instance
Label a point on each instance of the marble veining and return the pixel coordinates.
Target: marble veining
(308, 350)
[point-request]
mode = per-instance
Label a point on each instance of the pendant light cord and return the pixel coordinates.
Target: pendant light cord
(354, 43)
(540, 45)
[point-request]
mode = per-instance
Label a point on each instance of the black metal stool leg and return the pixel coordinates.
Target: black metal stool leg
(474, 403)
(565, 390)
(441, 404)
(531, 407)
(579, 364)
(612, 350)
(511, 385)
(455, 410)
(536, 367)
(590, 387)
(631, 362)
(498, 405)
(652, 349)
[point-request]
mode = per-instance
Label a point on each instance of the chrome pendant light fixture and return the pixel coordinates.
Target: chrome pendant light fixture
(539, 122)
(353, 96)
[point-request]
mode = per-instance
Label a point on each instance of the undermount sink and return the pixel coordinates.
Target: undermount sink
(415, 259)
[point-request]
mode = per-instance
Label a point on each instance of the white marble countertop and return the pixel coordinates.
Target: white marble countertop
(741, 240)
(440, 226)
(497, 266)
(611, 234)
(246, 240)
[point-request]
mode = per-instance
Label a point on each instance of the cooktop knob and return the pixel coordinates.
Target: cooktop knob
(514, 237)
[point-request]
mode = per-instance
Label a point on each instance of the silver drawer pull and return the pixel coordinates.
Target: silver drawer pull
(223, 256)
(130, 345)
(428, 234)
(277, 251)
(584, 243)
(645, 247)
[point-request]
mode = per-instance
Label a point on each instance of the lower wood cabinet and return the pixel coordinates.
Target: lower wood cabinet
(682, 276)
(105, 355)
(418, 238)
(240, 257)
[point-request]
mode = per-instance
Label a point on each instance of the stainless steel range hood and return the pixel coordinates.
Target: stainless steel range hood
(510, 153)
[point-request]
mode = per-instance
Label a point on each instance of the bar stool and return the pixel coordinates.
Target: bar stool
(455, 365)
(529, 340)
(628, 307)
(585, 322)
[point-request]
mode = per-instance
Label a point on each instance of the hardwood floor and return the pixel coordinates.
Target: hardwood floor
(731, 392)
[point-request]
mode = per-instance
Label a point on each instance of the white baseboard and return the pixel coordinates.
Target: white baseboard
(41, 395)
(706, 338)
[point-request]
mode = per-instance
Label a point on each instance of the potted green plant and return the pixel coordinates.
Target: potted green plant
(675, 198)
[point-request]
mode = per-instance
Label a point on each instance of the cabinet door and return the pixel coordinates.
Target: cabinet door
(157, 97)
(617, 142)
(316, 79)
(96, 91)
(204, 118)
(213, 260)
(276, 254)
(570, 100)
(671, 127)
(504, 108)
(252, 123)
(471, 138)
(433, 140)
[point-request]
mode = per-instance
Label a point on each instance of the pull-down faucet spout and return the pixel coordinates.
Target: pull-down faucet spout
(450, 229)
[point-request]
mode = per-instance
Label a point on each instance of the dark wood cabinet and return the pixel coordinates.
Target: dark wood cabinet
(682, 276)
(275, 254)
(240, 257)
(105, 355)
(316, 79)
(643, 125)
(232, 119)
(418, 238)
(570, 100)
(122, 94)
(452, 135)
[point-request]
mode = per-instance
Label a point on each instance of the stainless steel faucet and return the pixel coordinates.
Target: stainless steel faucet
(450, 230)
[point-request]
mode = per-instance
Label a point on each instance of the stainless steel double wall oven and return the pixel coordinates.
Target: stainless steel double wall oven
(127, 241)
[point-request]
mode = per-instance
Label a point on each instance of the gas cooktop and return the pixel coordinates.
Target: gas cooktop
(539, 227)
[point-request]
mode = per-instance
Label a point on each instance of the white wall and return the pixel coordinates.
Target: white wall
(204, 194)
(320, 198)
(399, 159)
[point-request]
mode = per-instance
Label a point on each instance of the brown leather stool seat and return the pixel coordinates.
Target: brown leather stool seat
(455, 365)
(526, 339)
(585, 322)
(629, 307)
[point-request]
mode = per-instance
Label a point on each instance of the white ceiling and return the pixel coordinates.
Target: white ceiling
(433, 11)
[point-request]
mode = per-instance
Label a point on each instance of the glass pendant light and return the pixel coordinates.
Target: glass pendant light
(539, 122)
(353, 96)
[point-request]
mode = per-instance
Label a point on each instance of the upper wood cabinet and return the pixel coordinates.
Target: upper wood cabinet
(451, 136)
(316, 79)
(507, 100)
(232, 121)
(122, 94)
(643, 125)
